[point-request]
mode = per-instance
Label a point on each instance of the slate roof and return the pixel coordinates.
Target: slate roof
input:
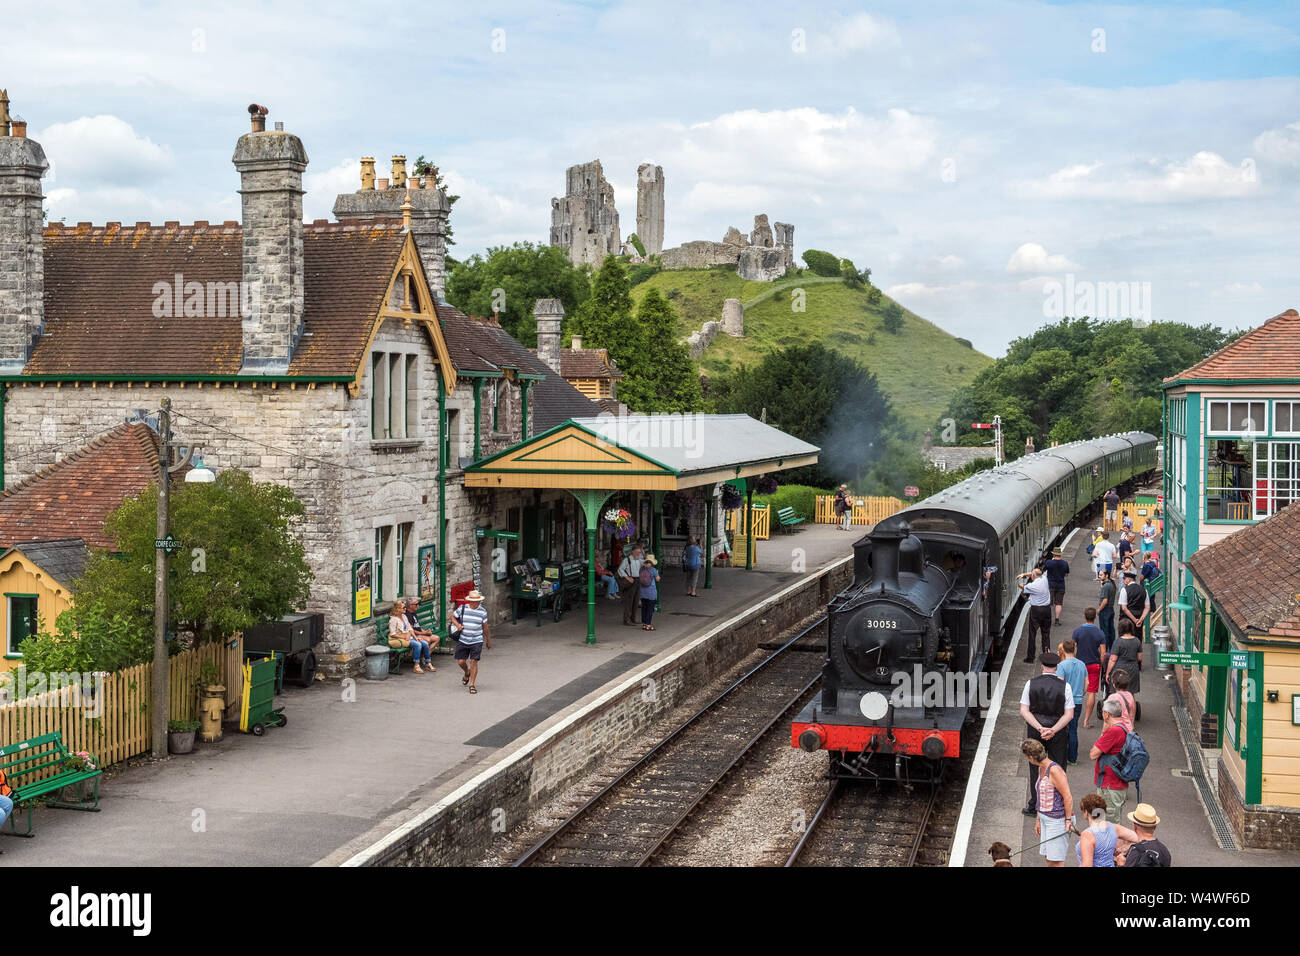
(699, 443)
(1270, 351)
(588, 363)
(482, 345)
(100, 297)
(63, 560)
(71, 498)
(1254, 574)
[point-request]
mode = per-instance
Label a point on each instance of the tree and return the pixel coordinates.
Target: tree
(605, 319)
(243, 560)
(523, 273)
(854, 278)
(663, 377)
(822, 263)
(635, 241)
(873, 296)
(892, 317)
(824, 398)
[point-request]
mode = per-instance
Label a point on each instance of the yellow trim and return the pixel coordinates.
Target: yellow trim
(408, 263)
(243, 704)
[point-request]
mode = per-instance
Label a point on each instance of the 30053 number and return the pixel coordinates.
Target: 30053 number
(883, 624)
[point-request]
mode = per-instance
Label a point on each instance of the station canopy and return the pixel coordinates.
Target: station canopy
(643, 453)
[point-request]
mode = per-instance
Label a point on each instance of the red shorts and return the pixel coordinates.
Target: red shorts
(1094, 677)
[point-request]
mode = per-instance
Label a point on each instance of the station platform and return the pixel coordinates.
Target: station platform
(1192, 826)
(354, 754)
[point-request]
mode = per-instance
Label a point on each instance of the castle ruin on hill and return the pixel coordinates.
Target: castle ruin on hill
(585, 223)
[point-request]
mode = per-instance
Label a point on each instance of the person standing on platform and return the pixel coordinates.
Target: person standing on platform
(1056, 570)
(1127, 703)
(1126, 656)
(474, 636)
(1106, 607)
(1091, 642)
(1126, 521)
(692, 561)
(1096, 846)
(1111, 788)
(844, 508)
(1040, 609)
(1112, 508)
(1055, 804)
(1046, 705)
(648, 582)
(1125, 547)
(629, 573)
(1148, 537)
(1133, 604)
(1146, 849)
(1075, 674)
(1103, 553)
(1092, 552)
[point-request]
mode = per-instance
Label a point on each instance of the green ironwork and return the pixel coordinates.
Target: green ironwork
(708, 539)
(478, 417)
(591, 501)
(749, 526)
(443, 448)
(523, 404)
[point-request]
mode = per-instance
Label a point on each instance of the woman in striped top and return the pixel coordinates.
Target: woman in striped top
(1055, 805)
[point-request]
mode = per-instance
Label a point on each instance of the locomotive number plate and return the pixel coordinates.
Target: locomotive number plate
(884, 624)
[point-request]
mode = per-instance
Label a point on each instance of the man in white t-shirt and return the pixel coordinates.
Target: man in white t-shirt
(1103, 553)
(1148, 538)
(1040, 609)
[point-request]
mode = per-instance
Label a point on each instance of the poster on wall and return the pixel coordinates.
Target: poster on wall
(428, 556)
(363, 570)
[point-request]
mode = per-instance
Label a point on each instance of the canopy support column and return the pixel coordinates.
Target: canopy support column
(749, 525)
(656, 538)
(592, 501)
(708, 539)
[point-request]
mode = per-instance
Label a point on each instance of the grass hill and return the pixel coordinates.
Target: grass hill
(918, 368)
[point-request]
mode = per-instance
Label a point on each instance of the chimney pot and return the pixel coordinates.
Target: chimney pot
(19, 128)
(381, 184)
(577, 342)
(257, 114)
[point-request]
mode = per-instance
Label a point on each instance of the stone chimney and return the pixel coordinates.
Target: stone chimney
(270, 168)
(429, 213)
(577, 343)
(549, 314)
(22, 255)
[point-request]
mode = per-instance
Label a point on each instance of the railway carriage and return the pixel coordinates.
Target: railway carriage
(933, 599)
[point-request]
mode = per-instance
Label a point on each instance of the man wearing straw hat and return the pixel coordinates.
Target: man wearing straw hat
(473, 636)
(1146, 849)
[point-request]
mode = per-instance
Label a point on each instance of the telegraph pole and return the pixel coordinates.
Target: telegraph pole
(162, 553)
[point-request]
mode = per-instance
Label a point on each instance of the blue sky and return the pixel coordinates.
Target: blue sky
(970, 154)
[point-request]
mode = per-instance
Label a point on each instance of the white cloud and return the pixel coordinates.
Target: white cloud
(1239, 289)
(1204, 175)
(950, 262)
(1032, 257)
(1280, 145)
(857, 34)
(103, 149)
(323, 187)
(914, 291)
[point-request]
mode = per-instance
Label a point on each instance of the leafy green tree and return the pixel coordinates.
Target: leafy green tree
(605, 320)
(663, 377)
(874, 295)
(825, 398)
(852, 277)
(524, 273)
(425, 168)
(243, 560)
(892, 318)
(822, 263)
(636, 242)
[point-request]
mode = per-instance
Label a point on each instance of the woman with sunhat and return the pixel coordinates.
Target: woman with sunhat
(474, 635)
(649, 582)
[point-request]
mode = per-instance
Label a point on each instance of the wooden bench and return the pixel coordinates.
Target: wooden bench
(27, 766)
(788, 518)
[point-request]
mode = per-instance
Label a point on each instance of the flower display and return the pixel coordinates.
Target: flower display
(731, 498)
(618, 523)
(766, 485)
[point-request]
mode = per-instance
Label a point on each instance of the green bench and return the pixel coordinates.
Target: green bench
(26, 765)
(788, 518)
(427, 615)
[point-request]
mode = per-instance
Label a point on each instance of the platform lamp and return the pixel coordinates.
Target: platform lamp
(200, 473)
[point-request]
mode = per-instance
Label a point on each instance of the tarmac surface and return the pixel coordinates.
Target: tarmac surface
(357, 753)
(1170, 783)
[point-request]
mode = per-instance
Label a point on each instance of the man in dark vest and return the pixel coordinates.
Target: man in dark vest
(1047, 707)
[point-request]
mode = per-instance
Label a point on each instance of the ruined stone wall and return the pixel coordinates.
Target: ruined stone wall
(650, 207)
(585, 220)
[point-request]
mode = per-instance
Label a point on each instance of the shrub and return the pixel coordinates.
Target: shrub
(640, 273)
(966, 342)
(802, 498)
(873, 296)
(637, 244)
(893, 318)
(822, 263)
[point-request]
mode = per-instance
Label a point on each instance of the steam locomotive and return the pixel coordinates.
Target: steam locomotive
(932, 599)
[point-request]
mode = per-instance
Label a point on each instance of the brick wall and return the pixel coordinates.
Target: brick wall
(1258, 827)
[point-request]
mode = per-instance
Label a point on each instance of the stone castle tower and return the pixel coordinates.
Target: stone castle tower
(429, 212)
(22, 254)
(650, 208)
(270, 164)
(585, 221)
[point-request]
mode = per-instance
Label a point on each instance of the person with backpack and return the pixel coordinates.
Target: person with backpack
(844, 508)
(1146, 850)
(692, 561)
(472, 635)
(1126, 655)
(1120, 758)
(629, 572)
(648, 584)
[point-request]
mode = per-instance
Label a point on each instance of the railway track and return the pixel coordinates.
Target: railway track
(630, 819)
(864, 825)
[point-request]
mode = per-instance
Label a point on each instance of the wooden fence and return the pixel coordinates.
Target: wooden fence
(734, 521)
(866, 510)
(112, 720)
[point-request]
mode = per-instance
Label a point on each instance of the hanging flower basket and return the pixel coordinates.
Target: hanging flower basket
(672, 505)
(618, 523)
(731, 498)
(766, 485)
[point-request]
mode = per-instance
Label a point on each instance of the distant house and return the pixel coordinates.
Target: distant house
(36, 583)
(951, 457)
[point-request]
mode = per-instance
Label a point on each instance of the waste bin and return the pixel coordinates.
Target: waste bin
(377, 661)
(1162, 640)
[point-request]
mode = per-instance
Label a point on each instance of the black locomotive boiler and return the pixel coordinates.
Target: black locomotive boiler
(933, 594)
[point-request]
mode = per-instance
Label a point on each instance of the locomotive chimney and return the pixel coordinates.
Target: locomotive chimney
(875, 557)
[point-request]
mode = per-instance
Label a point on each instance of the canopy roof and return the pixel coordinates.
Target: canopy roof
(643, 452)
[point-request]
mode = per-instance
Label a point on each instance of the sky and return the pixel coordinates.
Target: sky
(995, 165)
